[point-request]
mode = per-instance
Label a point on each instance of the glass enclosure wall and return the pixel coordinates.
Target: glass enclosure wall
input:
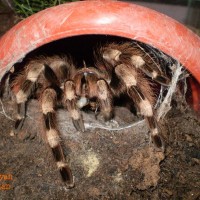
(184, 11)
(193, 16)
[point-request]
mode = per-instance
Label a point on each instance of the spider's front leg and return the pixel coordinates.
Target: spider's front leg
(49, 97)
(140, 93)
(70, 100)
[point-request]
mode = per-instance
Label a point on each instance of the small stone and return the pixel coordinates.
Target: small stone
(168, 192)
(12, 133)
(188, 138)
(197, 161)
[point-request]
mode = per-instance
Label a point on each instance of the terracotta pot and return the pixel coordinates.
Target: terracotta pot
(107, 18)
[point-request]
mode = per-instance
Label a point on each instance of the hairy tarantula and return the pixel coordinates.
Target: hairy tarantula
(119, 69)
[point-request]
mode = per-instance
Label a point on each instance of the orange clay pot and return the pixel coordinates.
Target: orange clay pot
(105, 18)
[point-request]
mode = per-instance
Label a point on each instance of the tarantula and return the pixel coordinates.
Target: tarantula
(118, 69)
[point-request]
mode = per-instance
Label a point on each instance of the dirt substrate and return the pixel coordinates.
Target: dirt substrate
(106, 164)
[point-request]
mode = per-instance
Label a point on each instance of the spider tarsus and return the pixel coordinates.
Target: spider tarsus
(66, 174)
(107, 115)
(79, 124)
(162, 80)
(158, 142)
(21, 110)
(67, 177)
(18, 125)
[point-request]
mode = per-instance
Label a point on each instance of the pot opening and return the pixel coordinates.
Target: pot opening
(82, 47)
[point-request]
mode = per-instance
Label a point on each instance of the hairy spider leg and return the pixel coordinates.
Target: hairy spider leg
(49, 97)
(147, 68)
(129, 77)
(105, 99)
(27, 86)
(70, 101)
(130, 54)
(4, 85)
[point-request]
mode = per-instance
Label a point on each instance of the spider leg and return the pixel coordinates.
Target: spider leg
(146, 110)
(105, 99)
(70, 100)
(136, 56)
(4, 85)
(129, 77)
(21, 98)
(28, 86)
(21, 113)
(149, 70)
(22, 94)
(49, 97)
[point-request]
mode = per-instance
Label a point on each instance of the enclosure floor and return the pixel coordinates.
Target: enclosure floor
(105, 164)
